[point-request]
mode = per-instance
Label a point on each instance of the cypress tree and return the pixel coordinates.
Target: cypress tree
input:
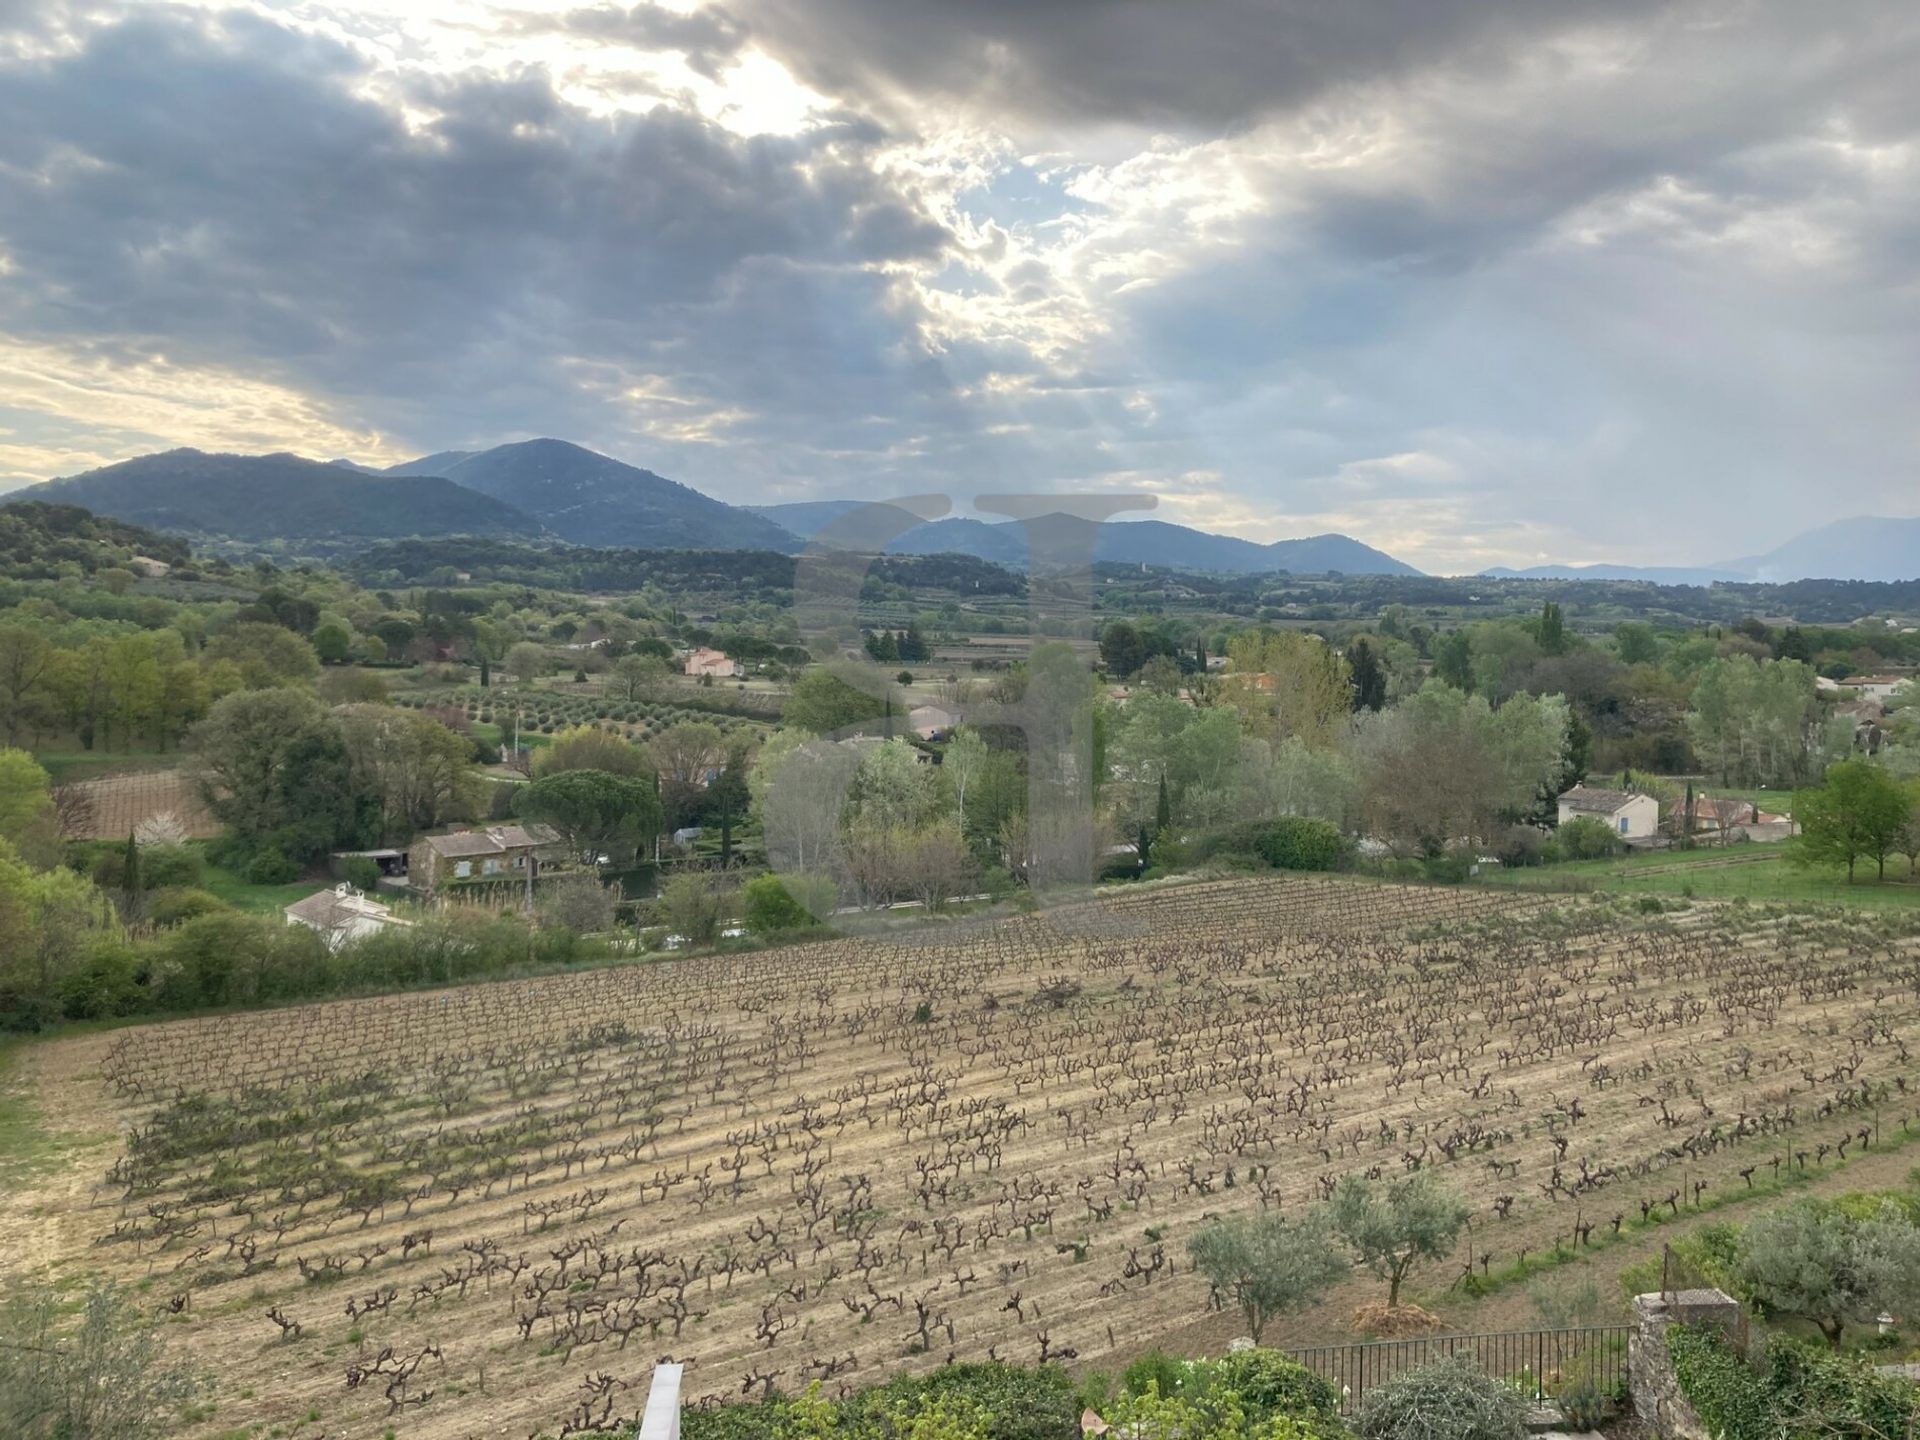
(130, 866)
(1163, 808)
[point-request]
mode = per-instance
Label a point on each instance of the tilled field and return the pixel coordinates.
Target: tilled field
(840, 1160)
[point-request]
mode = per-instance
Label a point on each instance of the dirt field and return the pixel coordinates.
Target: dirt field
(845, 1159)
(118, 803)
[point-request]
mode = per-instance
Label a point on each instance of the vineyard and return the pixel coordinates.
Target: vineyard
(547, 712)
(488, 1210)
(114, 806)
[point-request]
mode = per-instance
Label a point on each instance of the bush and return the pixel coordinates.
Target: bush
(1585, 838)
(1293, 842)
(172, 906)
(990, 1400)
(1447, 1399)
(1270, 1383)
(270, 866)
(770, 909)
(171, 867)
(361, 872)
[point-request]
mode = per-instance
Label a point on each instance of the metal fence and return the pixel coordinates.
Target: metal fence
(1545, 1363)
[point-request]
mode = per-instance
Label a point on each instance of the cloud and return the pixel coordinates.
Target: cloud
(1625, 281)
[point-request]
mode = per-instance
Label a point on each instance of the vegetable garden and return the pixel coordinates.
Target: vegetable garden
(489, 1209)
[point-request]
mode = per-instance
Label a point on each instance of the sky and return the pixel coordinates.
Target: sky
(1475, 281)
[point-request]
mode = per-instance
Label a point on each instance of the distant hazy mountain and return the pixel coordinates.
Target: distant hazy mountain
(1864, 548)
(1652, 574)
(588, 498)
(1128, 542)
(279, 497)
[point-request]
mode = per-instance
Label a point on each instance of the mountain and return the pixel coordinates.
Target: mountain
(1864, 548)
(258, 498)
(592, 499)
(1127, 542)
(437, 463)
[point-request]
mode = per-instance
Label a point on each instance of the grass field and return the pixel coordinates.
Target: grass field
(1755, 873)
(258, 899)
(861, 1156)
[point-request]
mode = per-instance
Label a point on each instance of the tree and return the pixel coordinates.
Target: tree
(273, 768)
(1369, 676)
(962, 762)
(26, 799)
(1392, 1226)
(526, 662)
(1267, 1264)
(264, 654)
(1816, 1261)
(694, 906)
(1552, 629)
(1284, 684)
(1861, 812)
(587, 747)
(892, 790)
(582, 904)
(26, 659)
(598, 814)
(686, 757)
(332, 642)
(936, 865)
(636, 676)
(419, 771)
(105, 1378)
(823, 703)
(1122, 649)
(1453, 660)
(1908, 843)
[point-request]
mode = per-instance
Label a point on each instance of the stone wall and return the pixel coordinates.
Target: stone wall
(1656, 1390)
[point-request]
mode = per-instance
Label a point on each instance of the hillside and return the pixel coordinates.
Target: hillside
(38, 539)
(258, 498)
(592, 499)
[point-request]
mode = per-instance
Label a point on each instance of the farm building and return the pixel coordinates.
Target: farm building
(931, 722)
(341, 914)
(717, 663)
(1633, 817)
(1712, 816)
(500, 852)
(1874, 687)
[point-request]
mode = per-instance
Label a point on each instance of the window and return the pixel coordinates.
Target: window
(462, 869)
(1623, 824)
(492, 867)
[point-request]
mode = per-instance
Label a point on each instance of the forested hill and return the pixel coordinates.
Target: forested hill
(39, 540)
(260, 498)
(573, 567)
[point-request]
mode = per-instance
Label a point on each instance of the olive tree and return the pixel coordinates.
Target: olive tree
(1393, 1226)
(1267, 1264)
(1827, 1266)
(104, 1377)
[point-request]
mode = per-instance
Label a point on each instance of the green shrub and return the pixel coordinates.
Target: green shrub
(361, 872)
(1293, 842)
(1730, 1399)
(1270, 1382)
(1585, 838)
(270, 866)
(1446, 1399)
(175, 905)
(175, 867)
(769, 908)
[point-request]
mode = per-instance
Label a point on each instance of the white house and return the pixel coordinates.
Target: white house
(341, 914)
(1633, 817)
(1873, 687)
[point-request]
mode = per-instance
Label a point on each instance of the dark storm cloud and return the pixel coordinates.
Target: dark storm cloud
(218, 188)
(1204, 63)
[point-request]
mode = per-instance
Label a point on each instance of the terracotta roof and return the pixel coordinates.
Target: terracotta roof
(463, 844)
(1592, 801)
